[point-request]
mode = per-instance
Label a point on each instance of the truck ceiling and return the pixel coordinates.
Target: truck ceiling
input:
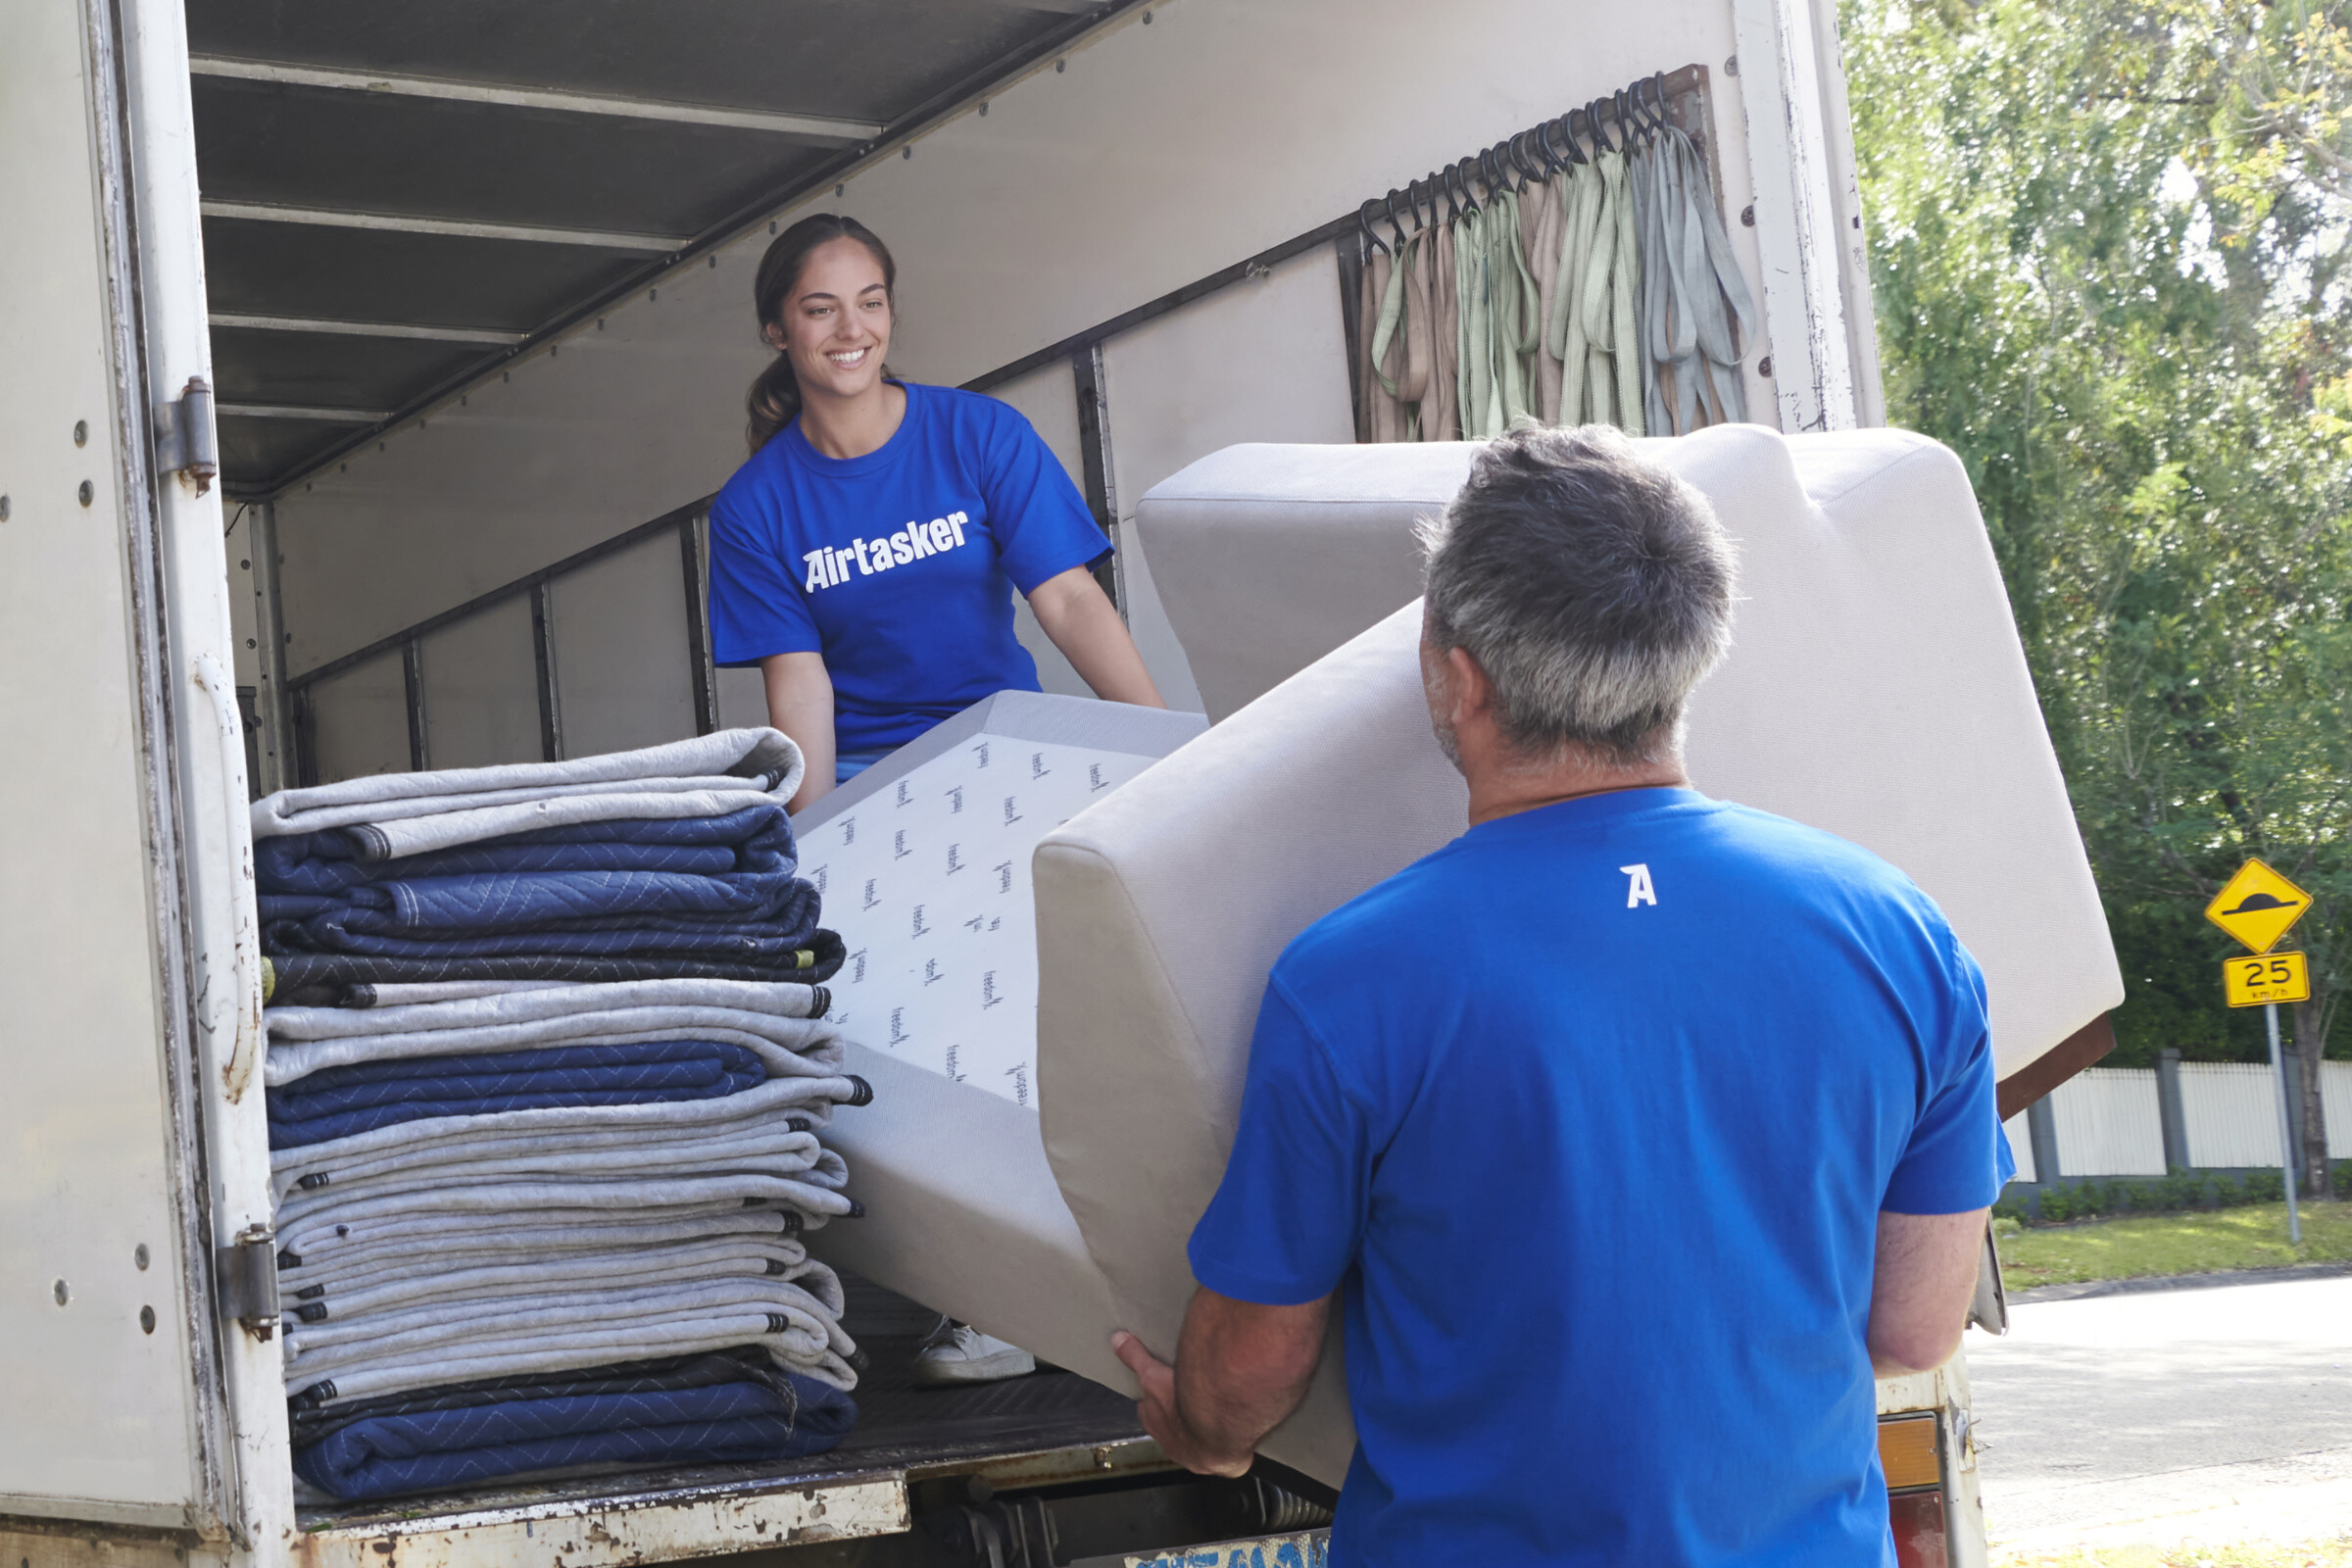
(399, 199)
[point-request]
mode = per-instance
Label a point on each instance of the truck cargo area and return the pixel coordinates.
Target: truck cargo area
(471, 283)
(928, 1477)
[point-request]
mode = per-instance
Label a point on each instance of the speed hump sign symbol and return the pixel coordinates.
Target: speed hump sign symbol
(2257, 906)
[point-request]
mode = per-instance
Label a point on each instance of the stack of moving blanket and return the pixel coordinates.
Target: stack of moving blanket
(546, 1078)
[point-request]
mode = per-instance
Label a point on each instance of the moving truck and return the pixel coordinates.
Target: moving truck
(366, 370)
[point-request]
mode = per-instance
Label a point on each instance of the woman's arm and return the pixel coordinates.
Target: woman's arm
(799, 703)
(1079, 617)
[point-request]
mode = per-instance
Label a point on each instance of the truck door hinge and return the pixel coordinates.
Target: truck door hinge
(185, 439)
(246, 1272)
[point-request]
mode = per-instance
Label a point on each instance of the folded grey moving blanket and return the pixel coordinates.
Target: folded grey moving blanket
(519, 1004)
(339, 1253)
(812, 1189)
(385, 1286)
(767, 1019)
(561, 1332)
(475, 804)
(809, 1289)
(753, 1130)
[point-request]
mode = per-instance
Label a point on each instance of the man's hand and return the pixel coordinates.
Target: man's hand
(1157, 1411)
(1241, 1368)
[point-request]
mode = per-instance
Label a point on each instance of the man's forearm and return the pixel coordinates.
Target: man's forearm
(1228, 1407)
(1241, 1369)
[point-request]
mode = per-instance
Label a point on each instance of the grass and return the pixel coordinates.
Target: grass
(2146, 1247)
(2336, 1553)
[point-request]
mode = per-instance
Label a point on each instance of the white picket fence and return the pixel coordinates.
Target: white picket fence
(2021, 1144)
(2109, 1121)
(2232, 1112)
(2109, 1124)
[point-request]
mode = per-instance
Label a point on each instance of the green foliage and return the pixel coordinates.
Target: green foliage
(2177, 1191)
(2109, 255)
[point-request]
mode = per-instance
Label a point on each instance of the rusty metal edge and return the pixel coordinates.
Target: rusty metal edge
(2056, 1065)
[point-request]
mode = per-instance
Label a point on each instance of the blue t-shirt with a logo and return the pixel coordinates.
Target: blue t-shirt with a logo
(899, 566)
(1589, 1116)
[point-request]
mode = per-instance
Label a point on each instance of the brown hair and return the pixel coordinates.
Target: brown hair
(775, 396)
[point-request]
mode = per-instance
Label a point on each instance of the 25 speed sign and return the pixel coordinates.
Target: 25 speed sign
(2265, 978)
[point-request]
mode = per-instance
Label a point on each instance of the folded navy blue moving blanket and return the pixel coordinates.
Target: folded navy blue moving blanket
(757, 838)
(712, 887)
(337, 1102)
(381, 932)
(320, 979)
(742, 1421)
(313, 1420)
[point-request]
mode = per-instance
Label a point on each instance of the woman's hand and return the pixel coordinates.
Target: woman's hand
(799, 703)
(1085, 626)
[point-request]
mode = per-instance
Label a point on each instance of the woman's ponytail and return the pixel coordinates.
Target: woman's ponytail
(775, 401)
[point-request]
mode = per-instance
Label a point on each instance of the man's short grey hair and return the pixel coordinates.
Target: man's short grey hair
(1594, 588)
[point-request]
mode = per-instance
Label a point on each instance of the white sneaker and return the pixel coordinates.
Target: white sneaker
(957, 1352)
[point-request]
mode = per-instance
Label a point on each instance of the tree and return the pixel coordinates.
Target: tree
(2111, 266)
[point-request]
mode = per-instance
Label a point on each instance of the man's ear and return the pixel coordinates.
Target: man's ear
(1473, 692)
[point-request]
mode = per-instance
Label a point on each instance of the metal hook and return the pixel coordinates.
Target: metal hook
(1371, 239)
(1599, 138)
(1576, 154)
(1459, 183)
(1514, 164)
(1657, 89)
(1537, 163)
(1490, 170)
(1541, 159)
(1395, 229)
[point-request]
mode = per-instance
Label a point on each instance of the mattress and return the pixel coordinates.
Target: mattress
(925, 862)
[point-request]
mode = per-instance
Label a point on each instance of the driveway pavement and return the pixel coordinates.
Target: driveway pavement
(2187, 1415)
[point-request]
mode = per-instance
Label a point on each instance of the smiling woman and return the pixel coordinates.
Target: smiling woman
(865, 558)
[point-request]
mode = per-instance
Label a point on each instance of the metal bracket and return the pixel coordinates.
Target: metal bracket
(245, 1276)
(186, 441)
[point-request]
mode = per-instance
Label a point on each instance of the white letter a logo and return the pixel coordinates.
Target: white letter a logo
(1638, 890)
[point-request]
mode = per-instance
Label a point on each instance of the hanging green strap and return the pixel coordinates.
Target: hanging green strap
(1474, 289)
(1625, 283)
(1695, 295)
(1565, 335)
(1517, 332)
(1600, 303)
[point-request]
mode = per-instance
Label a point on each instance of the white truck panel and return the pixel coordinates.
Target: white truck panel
(1266, 360)
(113, 1382)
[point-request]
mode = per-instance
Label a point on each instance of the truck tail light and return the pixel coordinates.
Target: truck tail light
(1910, 1453)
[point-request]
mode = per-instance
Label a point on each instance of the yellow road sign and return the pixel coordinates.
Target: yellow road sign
(2265, 978)
(2257, 906)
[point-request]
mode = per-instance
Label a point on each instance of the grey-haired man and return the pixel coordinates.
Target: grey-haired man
(1693, 1125)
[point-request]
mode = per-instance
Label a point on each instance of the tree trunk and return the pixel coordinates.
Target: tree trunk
(2313, 1134)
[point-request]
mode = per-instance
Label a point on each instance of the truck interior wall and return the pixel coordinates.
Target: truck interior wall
(1162, 154)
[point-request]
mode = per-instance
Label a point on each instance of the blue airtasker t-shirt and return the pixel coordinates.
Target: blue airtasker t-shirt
(1592, 1113)
(898, 566)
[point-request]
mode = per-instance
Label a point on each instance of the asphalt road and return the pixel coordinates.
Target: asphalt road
(2212, 1414)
